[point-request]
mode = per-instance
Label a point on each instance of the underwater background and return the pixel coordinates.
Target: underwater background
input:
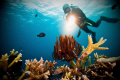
(19, 27)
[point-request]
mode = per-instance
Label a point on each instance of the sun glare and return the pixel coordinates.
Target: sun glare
(69, 30)
(71, 20)
(70, 27)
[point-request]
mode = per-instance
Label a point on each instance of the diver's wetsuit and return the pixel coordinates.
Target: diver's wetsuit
(81, 18)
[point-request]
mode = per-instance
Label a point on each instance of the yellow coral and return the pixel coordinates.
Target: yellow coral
(26, 69)
(91, 47)
(4, 57)
(83, 62)
(15, 60)
(65, 78)
(83, 49)
(4, 62)
(96, 56)
(68, 75)
(13, 52)
(89, 60)
(72, 64)
(103, 56)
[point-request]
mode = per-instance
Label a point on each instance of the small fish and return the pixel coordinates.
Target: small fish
(21, 49)
(59, 70)
(41, 35)
(36, 15)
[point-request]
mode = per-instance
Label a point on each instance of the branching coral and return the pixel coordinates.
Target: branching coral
(26, 69)
(8, 62)
(96, 56)
(91, 47)
(4, 62)
(5, 58)
(13, 52)
(38, 69)
(15, 60)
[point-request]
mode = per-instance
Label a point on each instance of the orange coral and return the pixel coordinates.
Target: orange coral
(66, 48)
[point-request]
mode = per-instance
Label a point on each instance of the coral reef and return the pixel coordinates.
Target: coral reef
(66, 50)
(39, 70)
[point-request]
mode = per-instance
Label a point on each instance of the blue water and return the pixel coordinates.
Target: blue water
(19, 27)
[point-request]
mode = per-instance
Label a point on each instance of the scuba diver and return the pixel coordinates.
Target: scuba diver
(82, 21)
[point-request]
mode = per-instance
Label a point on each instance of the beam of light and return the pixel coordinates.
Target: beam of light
(67, 30)
(71, 21)
(69, 27)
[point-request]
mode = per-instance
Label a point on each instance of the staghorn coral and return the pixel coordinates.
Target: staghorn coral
(91, 47)
(89, 60)
(26, 69)
(13, 52)
(5, 58)
(8, 64)
(15, 60)
(96, 56)
(38, 69)
(4, 62)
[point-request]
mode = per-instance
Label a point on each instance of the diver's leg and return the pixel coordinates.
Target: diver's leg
(94, 24)
(109, 20)
(85, 28)
(102, 18)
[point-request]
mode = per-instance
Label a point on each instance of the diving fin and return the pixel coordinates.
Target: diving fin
(109, 20)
